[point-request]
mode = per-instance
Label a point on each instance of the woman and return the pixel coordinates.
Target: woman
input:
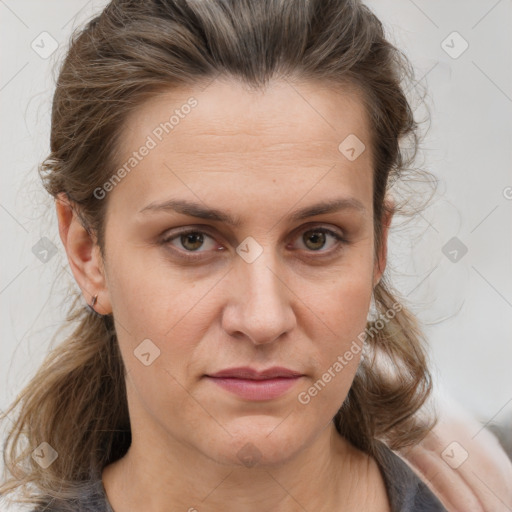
(221, 172)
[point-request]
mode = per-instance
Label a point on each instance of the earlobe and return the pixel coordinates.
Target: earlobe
(83, 255)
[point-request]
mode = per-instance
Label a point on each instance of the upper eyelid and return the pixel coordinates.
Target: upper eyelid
(203, 229)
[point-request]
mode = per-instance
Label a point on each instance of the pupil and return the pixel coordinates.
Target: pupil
(196, 238)
(318, 238)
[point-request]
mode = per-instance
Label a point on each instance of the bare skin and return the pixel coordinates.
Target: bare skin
(258, 157)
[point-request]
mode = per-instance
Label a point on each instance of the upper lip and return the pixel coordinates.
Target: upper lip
(246, 372)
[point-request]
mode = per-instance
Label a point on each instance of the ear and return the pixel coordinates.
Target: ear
(380, 263)
(84, 256)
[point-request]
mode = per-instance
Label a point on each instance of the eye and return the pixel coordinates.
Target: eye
(190, 243)
(316, 238)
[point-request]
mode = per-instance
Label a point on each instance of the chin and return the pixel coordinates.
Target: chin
(264, 442)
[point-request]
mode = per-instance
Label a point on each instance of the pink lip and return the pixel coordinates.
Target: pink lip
(256, 385)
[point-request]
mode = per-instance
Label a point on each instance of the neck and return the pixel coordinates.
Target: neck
(328, 474)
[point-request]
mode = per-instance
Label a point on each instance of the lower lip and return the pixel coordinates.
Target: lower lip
(256, 389)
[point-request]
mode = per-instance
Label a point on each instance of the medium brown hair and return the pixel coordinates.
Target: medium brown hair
(134, 49)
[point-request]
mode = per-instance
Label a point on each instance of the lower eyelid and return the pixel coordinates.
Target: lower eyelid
(340, 240)
(340, 244)
(172, 238)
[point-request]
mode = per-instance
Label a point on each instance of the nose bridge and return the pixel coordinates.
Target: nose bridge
(260, 301)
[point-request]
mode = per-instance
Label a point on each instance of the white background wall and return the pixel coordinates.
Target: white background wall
(466, 306)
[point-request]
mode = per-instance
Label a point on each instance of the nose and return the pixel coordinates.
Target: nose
(260, 303)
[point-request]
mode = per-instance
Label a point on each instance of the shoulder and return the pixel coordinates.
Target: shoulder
(406, 491)
(463, 462)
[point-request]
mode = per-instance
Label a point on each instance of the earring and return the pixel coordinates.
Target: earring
(90, 306)
(373, 312)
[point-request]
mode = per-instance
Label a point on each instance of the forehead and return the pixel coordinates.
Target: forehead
(227, 132)
(310, 112)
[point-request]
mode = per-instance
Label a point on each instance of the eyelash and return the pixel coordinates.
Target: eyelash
(191, 255)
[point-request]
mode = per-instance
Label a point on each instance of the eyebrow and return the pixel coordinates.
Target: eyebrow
(197, 210)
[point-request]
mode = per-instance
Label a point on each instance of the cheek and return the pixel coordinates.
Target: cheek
(159, 319)
(341, 304)
(150, 298)
(348, 309)
(341, 314)
(153, 311)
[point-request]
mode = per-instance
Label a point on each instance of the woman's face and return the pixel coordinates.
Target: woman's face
(260, 281)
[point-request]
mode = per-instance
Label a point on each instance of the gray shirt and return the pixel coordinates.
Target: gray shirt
(406, 492)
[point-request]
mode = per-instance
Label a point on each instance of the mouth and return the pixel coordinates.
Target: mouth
(251, 384)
